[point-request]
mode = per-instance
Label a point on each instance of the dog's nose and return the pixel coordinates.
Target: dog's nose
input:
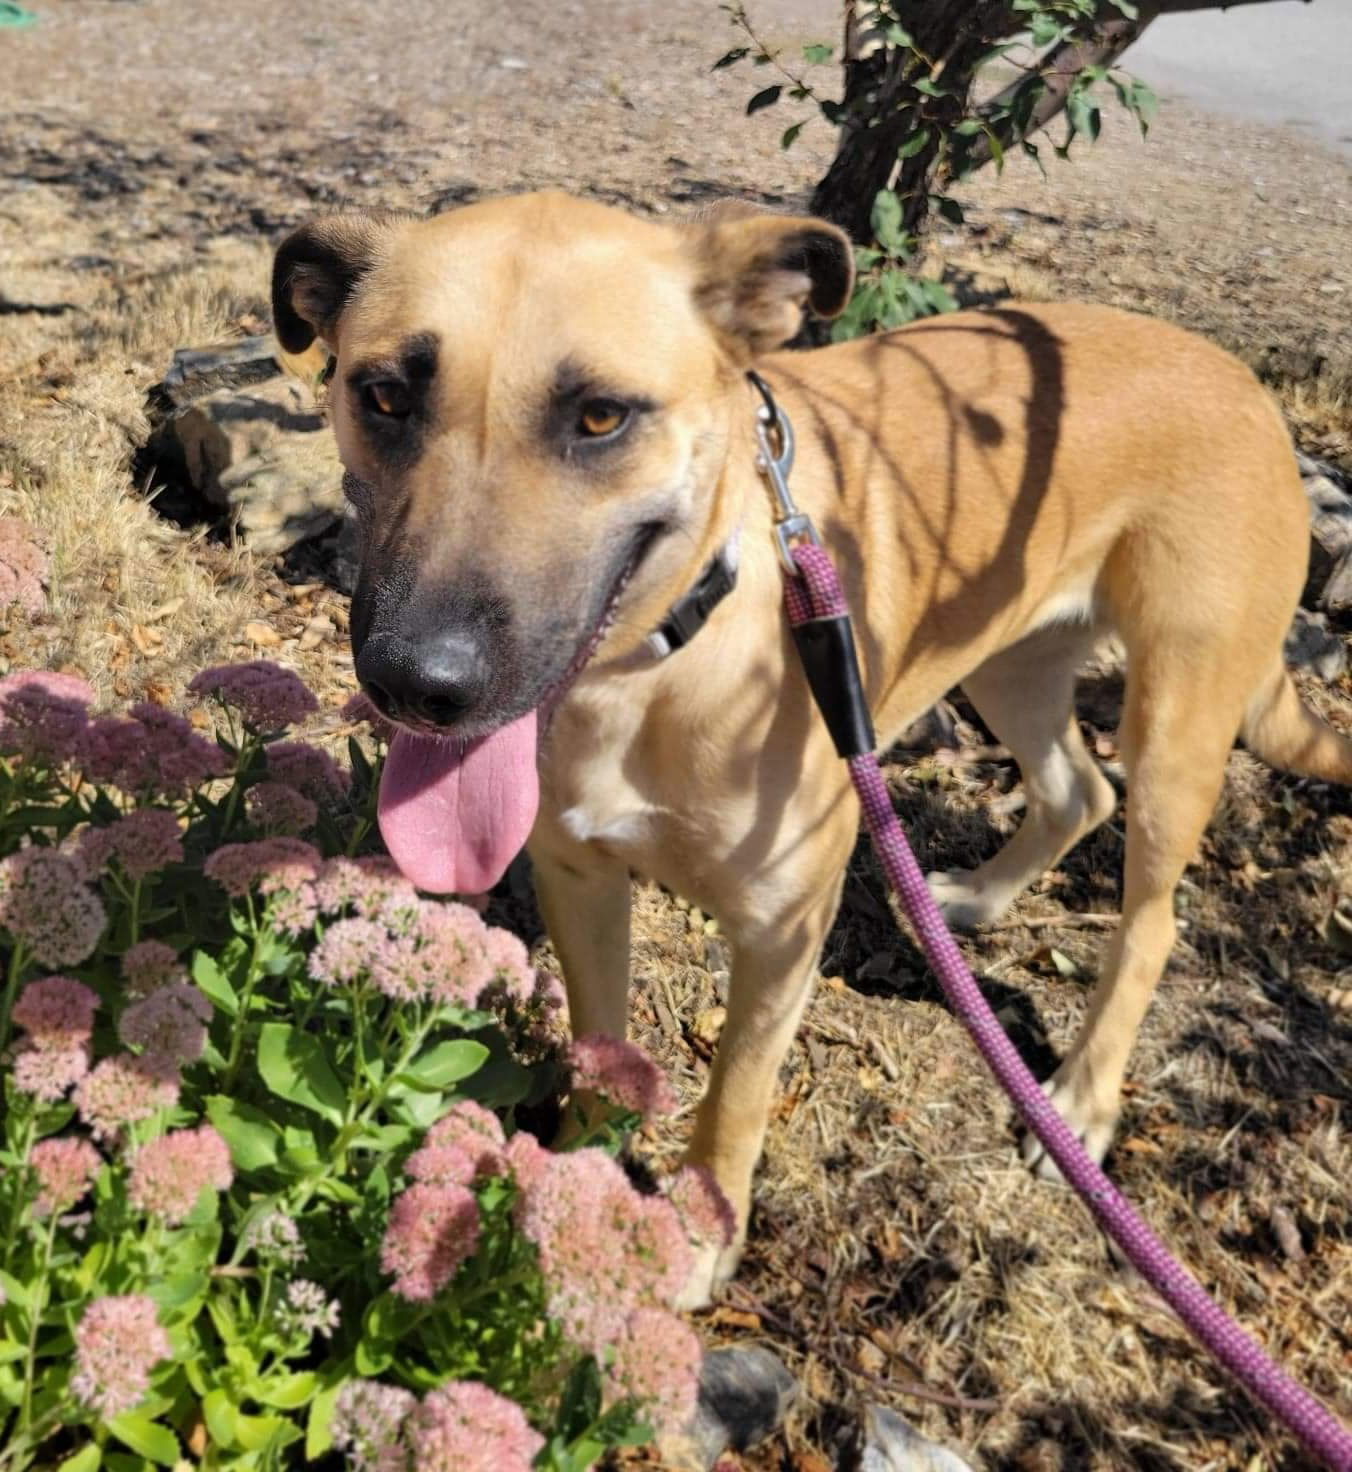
(435, 680)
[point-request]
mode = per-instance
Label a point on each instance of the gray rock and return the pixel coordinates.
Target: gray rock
(196, 372)
(889, 1443)
(262, 454)
(1337, 594)
(1312, 645)
(745, 1393)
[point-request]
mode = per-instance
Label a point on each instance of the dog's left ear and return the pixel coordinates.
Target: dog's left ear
(317, 270)
(759, 274)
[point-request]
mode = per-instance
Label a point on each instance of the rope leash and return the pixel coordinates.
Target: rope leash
(819, 616)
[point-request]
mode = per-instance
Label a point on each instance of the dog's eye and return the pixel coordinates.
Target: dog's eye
(602, 418)
(388, 398)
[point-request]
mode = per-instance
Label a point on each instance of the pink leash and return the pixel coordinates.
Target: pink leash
(817, 596)
(819, 615)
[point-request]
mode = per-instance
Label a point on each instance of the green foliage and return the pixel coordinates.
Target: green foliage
(941, 132)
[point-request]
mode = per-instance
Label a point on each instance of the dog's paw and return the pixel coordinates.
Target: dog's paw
(1093, 1122)
(714, 1267)
(961, 899)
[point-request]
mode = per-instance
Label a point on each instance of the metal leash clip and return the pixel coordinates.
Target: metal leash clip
(774, 435)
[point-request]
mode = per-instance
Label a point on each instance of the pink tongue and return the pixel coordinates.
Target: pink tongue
(453, 820)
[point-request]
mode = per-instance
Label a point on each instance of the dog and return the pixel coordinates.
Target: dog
(543, 407)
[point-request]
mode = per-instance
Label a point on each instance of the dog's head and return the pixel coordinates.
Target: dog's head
(532, 398)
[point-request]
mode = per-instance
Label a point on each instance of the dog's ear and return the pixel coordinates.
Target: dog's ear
(318, 268)
(758, 274)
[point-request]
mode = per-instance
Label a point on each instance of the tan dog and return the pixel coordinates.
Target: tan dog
(543, 408)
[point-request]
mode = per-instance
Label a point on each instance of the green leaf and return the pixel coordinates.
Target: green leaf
(318, 1432)
(214, 982)
(146, 1437)
(1083, 114)
(444, 1064)
(886, 221)
(730, 58)
(1130, 10)
(250, 1134)
(85, 1460)
(288, 1392)
(294, 1067)
(222, 1417)
(176, 1293)
(766, 97)
(913, 144)
(898, 35)
(928, 88)
(817, 53)
(790, 135)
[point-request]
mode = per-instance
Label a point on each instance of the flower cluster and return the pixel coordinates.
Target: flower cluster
(57, 1016)
(118, 1343)
(275, 1238)
(169, 1027)
(623, 1074)
(461, 1427)
(465, 1145)
(65, 1170)
(150, 964)
(122, 1091)
(431, 1231)
(267, 697)
(308, 769)
(277, 807)
(45, 902)
(169, 1174)
(143, 842)
(271, 864)
(605, 1249)
(308, 1311)
(153, 754)
(43, 716)
(656, 1361)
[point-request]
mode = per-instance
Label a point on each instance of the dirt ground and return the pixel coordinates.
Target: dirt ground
(151, 155)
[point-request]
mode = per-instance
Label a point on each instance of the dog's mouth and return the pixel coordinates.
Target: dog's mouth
(454, 813)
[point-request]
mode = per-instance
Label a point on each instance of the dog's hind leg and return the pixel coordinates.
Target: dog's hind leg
(1185, 699)
(1026, 694)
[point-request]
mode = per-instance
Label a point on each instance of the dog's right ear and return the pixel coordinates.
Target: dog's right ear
(317, 270)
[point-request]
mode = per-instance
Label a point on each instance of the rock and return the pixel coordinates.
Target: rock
(888, 1443)
(1312, 645)
(1330, 532)
(1337, 594)
(744, 1396)
(264, 455)
(195, 372)
(937, 727)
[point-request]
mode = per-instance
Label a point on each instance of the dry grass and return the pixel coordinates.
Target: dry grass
(899, 1251)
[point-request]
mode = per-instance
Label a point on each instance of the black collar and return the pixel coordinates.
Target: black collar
(689, 614)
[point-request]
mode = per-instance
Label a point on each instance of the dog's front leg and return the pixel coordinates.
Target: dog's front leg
(584, 898)
(773, 966)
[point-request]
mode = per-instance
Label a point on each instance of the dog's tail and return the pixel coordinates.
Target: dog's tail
(1286, 733)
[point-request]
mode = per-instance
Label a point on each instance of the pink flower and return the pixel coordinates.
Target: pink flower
(43, 716)
(509, 961)
(308, 1310)
(271, 863)
(155, 753)
(57, 1011)
(142, 843)
(169, 1174)
(466, 1427)
(431, 1231)
(48, 1072)
(605, 1250)
(149, 964)
(440, 1165)
(349, 951)
(705, 1212)
(621, 1073)
(24, 567)
(293, 911)
(268, 697)
(368, 1424)
(438, 954)
(279, 808)
(118, 1343)
(275, 1237)
(527, 1159)
(308, 769)
(365, 885)
(656, 1362)
(45, 902)
(358, 709)
(120, 1091)
(169, 1027)
(65, 1170)
(469, 1130)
